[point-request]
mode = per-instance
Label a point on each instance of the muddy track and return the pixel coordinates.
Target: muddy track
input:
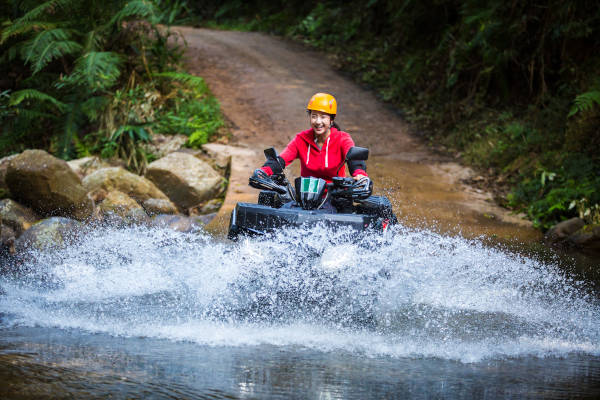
(263, 84)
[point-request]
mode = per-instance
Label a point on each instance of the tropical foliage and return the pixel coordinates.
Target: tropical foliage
(82, 76)
(514, 87)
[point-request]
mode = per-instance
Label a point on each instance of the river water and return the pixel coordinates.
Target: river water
(138, 313)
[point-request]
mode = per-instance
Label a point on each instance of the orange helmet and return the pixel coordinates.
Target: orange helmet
(323, 102)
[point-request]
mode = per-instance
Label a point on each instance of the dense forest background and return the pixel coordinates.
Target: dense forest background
(511, 88)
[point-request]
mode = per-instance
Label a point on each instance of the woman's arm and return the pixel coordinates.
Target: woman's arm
(289, 154)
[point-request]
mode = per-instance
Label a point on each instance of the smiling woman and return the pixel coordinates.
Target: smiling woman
(322, 148)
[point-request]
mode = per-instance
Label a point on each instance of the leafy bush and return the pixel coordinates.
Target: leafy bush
(96, 77)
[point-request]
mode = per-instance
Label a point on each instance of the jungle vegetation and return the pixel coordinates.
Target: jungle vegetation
(511, 88)
(81, 77)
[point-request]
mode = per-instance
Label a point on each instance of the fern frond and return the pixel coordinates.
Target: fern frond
(585, 102)
(47, 7)
(96, 69)
(47, 46)
(93, 107)
(92, 41)
(136, 8)
(70, 128)
(20, 27)
(33, 115)
(190, 80)
(31, 94)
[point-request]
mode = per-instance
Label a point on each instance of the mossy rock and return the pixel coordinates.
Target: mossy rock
(48, 185)
(47, 234)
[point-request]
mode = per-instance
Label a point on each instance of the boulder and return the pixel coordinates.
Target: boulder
(187, 180)
(116, 178)
(564, 229)
(159, 206)
(179, 223)
(587, 240)
(161, 145)
(119, 207)
(16, 217)
(4, 192)
(85, 166)
(50, 233)
(221, 153)
(48, 185)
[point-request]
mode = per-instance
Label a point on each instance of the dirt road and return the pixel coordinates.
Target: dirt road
(264, 83)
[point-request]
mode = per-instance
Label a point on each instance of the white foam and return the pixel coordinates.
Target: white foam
(423, 294)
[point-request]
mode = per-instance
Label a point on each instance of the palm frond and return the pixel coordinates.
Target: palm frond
(31, 94)
(47, 46)
(585, 102)
(135, 8)
(96, 70)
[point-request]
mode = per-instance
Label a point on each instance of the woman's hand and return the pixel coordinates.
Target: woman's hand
(359, 176)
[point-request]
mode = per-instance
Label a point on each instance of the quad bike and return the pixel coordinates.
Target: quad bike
(343, 203)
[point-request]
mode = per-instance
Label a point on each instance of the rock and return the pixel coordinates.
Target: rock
(16, 217)
(7, 240)
(562, 230)
(179, 223)
(587, 239)
(210, 207)
(85, 166)
(159, 206)
(161, 145)
(187, 180)
(116, 178)
(4, 192)
(48, 185)
(50, 233)
(118, 207)
(220, 153)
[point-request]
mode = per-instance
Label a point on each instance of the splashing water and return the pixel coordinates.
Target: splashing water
(411, 294)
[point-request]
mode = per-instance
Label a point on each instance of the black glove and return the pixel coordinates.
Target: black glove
(259, 174)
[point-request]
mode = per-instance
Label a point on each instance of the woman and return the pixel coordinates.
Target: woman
(322, 148)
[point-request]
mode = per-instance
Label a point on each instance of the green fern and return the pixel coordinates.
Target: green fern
(93, 107)
(20, 27)
(190, 80)
(136, 8)
(47, 46)
(585, 102)
(97, 70)
(31, 94)
(45, 8)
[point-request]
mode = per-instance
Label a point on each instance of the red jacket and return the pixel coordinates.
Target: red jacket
(320, 163)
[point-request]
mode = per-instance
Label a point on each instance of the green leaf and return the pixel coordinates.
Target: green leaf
(136, 8)
(47, 46)
(31, 94)
(585, 102)
(97, 70)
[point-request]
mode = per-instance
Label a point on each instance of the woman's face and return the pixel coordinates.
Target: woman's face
(320, 122)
